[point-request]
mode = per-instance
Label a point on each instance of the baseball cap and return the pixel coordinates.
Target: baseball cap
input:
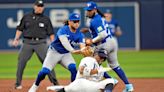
(90, 6)
(108, 11)
(39, 3)
(74, 16)
(102, 53)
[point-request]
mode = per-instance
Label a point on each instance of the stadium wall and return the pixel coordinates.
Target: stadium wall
(151, 20)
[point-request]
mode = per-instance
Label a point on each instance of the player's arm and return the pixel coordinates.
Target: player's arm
(87, 71)
(64, 41)
(118, 31)
(100, 36)
(99, 27)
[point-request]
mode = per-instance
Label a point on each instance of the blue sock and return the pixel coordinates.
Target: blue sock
(121, 74)
(106, 75)
(42, 74)
(72, 69)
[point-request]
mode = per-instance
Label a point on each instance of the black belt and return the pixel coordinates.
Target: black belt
(33, 38)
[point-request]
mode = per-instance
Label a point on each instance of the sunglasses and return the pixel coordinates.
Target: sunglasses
(40, 5)
(76, 21)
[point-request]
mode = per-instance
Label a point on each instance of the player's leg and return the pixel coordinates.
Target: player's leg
(107, 85)
(50, 61)
(69, 63)
(113, 63)
(41, 51)
(25, 54)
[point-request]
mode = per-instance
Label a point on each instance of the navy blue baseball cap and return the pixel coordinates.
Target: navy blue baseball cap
(74, 16)
(90, 6)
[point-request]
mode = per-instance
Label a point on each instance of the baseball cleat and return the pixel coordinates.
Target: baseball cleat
(33, 88)
(129, 88)
(54, 88)
(18, 87)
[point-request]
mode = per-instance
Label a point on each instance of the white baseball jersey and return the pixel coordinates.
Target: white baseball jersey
(92, 83)
(90, 63)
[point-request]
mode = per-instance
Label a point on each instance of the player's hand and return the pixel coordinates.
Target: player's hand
(88, 41)
(15, 42)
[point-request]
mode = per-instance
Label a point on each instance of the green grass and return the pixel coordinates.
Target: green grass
(142, 64)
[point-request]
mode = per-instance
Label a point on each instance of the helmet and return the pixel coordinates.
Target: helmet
(102, 53)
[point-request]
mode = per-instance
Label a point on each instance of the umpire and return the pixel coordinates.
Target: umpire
(34, 27)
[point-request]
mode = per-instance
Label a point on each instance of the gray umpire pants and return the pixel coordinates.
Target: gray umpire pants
(25, 53)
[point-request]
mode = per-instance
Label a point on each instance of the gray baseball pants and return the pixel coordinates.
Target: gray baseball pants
(25, 54)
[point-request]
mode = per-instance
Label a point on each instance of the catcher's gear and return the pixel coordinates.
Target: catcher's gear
(87, 51)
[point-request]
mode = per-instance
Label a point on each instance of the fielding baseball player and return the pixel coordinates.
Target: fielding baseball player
(113, 26)
(61, 48)
(90, 76)
(102, 38)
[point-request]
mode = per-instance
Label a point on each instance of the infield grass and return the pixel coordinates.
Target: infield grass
(141, 64)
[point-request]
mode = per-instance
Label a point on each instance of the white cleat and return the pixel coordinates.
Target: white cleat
(33, 88)
(54, 88)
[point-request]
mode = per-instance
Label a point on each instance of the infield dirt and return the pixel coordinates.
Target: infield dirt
(140, 85)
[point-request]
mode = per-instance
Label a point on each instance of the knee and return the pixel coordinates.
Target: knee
(45, 71)
(72, 67)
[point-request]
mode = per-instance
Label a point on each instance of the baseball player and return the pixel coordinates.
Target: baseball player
(113, 25)
(61, 48)
(90, 76)
(102, 38)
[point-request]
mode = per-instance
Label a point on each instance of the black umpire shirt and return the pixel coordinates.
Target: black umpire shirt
(35, 26)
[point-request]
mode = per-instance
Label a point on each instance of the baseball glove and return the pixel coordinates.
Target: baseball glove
(87, 51)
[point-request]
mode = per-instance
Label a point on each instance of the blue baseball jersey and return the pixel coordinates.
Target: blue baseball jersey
(73, 38)
(113, 24)
(97, 25)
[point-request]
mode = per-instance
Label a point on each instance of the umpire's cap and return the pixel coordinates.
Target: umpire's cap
(102, 53)
(74, 16)
(90, 6)
(39, 3)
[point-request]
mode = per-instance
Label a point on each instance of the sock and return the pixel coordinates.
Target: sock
(72, 69)
(121, 74)
(108, 87)
(106, 75)
(42, 74)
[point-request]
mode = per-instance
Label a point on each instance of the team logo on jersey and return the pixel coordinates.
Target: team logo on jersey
(99, 29)
(41, 24)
